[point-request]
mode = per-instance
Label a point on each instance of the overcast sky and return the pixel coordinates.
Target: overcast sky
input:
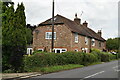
(100, 14)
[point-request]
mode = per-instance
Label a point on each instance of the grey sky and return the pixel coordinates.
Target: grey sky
(100, 14)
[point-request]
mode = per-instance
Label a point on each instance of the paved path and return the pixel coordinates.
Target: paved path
(105, 70)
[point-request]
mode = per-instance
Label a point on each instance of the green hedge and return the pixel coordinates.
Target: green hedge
(52, 59)
(103, 56)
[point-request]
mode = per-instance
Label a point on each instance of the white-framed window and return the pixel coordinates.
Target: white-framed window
(29, 51)
(76, 50)
(86, 40)
(60, 50)
(76, 37)
(41, 49)
(85, 50)
(93, 42)
(48, 35)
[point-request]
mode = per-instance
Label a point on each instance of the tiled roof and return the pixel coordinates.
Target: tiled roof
(80, 29)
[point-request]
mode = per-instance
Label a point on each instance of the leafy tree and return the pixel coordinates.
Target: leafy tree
(15, 36)
(112, 44)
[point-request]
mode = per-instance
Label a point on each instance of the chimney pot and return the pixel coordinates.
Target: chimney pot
(99, 33)
(77, 20)
(85, 24)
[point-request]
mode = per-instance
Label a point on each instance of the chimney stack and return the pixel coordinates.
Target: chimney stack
(99, 33)
(77, 20)
(85, 24)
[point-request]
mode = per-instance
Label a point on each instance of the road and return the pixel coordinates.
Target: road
(104, 71)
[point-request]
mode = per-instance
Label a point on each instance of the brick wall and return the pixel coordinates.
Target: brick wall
(64, 39)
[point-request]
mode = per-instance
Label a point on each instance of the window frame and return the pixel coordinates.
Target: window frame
(76, 37)
(55, 50)
(41, 49)
(100, 44)
(76, 50)
(93, 42)
(86, 41)
(28, 51)
(48, 36)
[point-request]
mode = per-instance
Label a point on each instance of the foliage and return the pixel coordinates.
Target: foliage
(112, 44)
(103, 56)
(59, 67)
(89, 58)
(52, 59)
(38, 52)
(54, 68)
(14, 36)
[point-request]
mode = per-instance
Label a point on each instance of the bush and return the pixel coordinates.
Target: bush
(51, 59)
(42, 59)
(103, 56)
(8, 71)
(89, 58)
(38, 52)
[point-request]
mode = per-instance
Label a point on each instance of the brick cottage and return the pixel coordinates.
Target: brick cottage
(68, 36)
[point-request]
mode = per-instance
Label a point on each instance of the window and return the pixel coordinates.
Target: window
(49, 35)
(76, 37)
(93, 42)
(99, 44)
(86, 40)
(76, 50)
(59, 50)
(40, 50)
(29, 51)
(85, 50)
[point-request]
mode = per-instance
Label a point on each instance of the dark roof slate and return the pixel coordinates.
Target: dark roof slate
(80, 29)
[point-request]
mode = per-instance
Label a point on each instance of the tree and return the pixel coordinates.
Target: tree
(112, 44)
(7, 27)
(15, 36)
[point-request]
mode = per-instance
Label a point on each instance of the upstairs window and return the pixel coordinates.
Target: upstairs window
(49, 35)
(86, 40)
(76, 37)
(93, 42)
(99, 44)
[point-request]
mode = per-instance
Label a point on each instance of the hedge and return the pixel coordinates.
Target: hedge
(103, 56)
(51, 59)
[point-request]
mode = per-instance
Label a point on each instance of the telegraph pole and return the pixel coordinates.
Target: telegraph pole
(52, 43)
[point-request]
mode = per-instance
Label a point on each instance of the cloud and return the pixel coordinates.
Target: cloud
(100, 14)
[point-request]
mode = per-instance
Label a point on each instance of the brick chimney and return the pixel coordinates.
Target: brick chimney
(99, 33)
(85, 24)
(77, 20)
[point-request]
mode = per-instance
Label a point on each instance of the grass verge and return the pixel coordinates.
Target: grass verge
(57, 68)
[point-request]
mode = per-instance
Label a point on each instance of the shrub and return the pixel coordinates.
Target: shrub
(89, 58)
(51, 59)
(103, 56)
(38, 52)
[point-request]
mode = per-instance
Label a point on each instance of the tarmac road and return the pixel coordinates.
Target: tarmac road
(105, 71)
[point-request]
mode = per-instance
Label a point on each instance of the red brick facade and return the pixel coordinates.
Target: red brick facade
(65, 39)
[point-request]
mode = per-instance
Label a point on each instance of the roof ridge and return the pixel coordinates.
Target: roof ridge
(64, 17)
(74, 27)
